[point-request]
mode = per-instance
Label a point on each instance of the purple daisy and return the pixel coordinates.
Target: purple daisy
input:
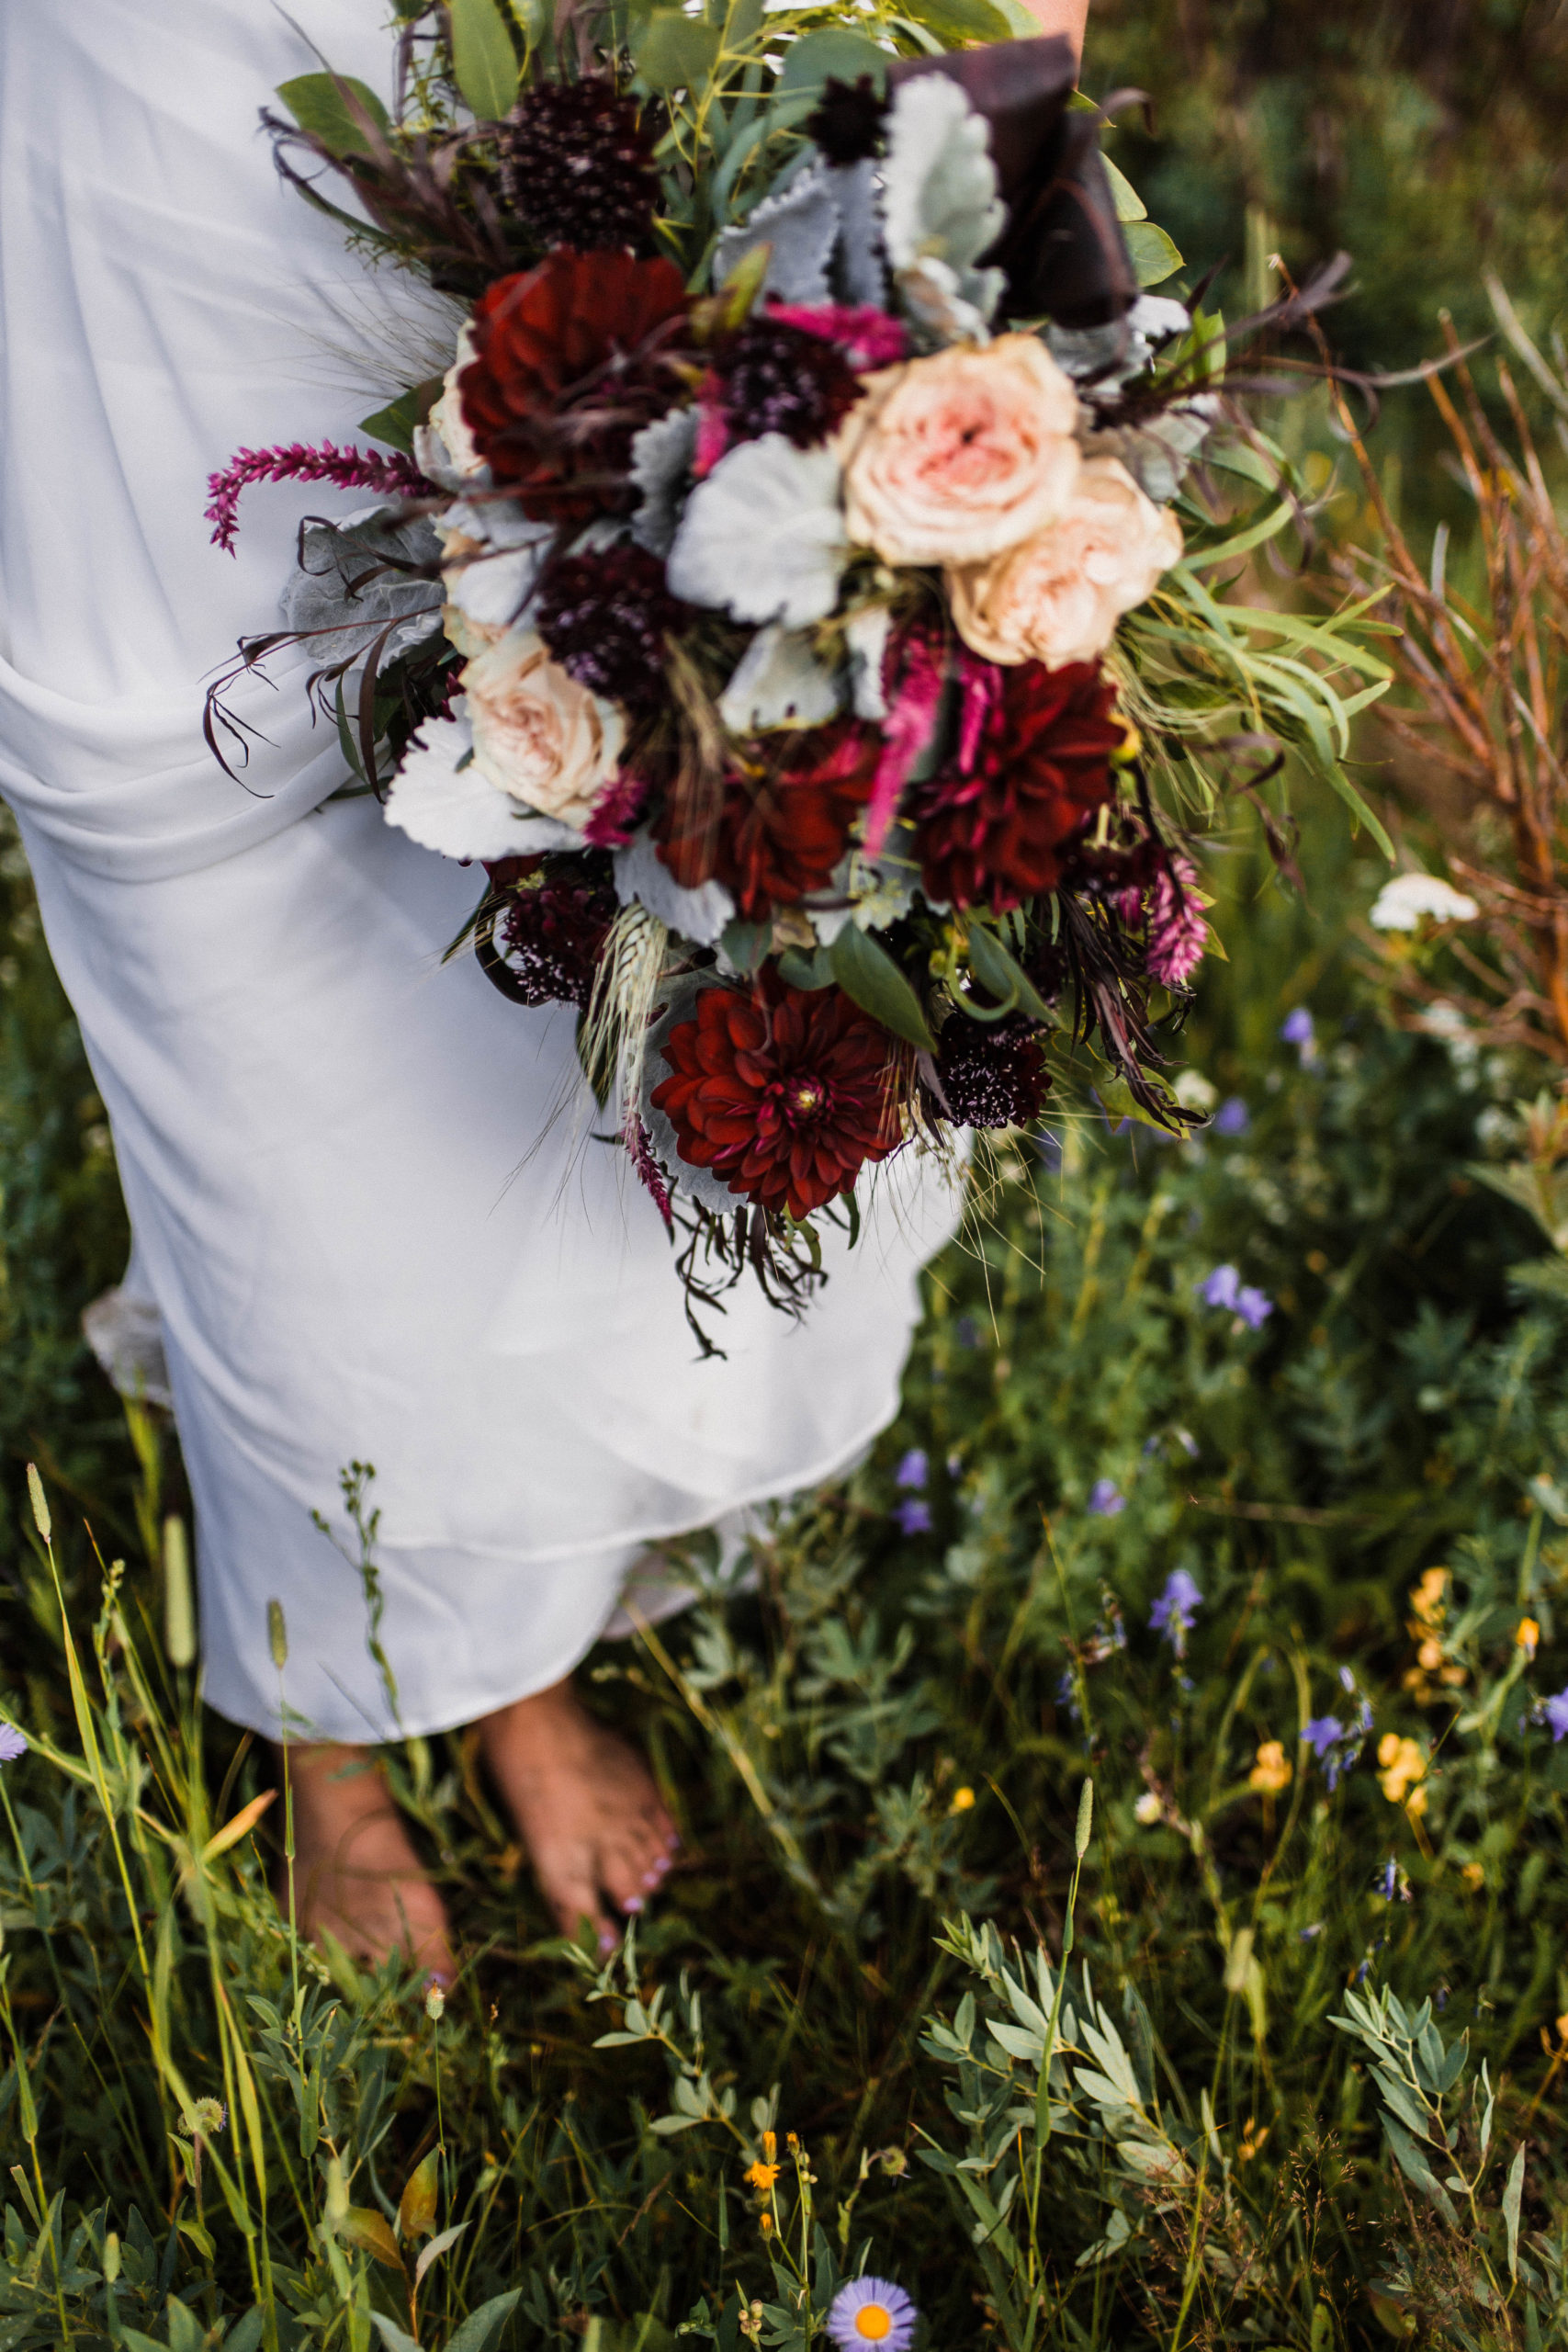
(12, 1743)
(872, 2310)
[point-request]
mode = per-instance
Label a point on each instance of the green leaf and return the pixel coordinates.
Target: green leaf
(1000, 974)
(370, 2232)
(1414, 2167)
(416, 2207)
(483, 59)
(482, 2326)
(395, 423)
(867, 972)
(395, 2338)
(1154, 257)
(1130, 205)
(247, 2333)
(1513, 2195)
(319, 104)
(674, 52)
(957, 23)
(836, 51)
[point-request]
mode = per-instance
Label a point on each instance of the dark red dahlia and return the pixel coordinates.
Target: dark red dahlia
(605, 616)
(573, 358)
(785, 1093)
(847, 123)
(993, 1073)
(552, 930)
(577, 167)
(785, 824)
(993, 828)
(770, 377)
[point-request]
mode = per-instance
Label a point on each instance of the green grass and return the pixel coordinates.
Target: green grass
(877, 1761)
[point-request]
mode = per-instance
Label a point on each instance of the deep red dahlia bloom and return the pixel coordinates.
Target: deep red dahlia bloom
(785, 1093)
(571, 362)
(784, 828)
(993, 828)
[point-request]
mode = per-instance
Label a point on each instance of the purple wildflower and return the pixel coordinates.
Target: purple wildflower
(914, 1517)
(1556, 1709)
(913, 1470)
(1173, 1613)
(1177, 932)
(1233, 1117)
(1254, 1306)
(12, 1743)
(348, 468)
(1296, 1030)
(872, 2310)
(1322, 1732)
(1221, 1288)
(1106, 1498)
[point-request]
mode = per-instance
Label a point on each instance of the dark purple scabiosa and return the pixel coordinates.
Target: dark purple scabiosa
(605, 616)
(553, 927)
(769, 376)
(993, 1073)
(577, 167)
(848, 123)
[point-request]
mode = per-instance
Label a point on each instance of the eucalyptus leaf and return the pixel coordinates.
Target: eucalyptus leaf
(807, 971)
(674, 52)
(864, 970)
(1130, 205)
(1155, 255)
(395, 423)
(317, 103)
(957, 23)
(834, 51)
(483, 59)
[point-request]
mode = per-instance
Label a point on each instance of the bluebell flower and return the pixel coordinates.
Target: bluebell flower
(1322, 1734)
(1221, 1287)
(914, 1517)
(1556, 1709)
(1106, 1498)
(914, 1469)
(1296, 1030)
(1233, 1117)
(1254, 1306)
(1173, 1613)
(1306, 1934)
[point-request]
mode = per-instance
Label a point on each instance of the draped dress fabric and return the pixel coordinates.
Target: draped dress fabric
(367, 1237)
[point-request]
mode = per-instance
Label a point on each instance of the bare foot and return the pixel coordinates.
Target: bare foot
(586, 1806)
(356, 1875)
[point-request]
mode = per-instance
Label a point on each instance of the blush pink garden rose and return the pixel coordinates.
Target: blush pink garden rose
(953, 458)
(538, 735)
(1058, 596)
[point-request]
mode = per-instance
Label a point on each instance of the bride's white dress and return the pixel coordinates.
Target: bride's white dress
(364, 1239)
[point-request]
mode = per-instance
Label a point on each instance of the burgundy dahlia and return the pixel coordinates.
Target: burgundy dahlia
(785, 1093)
(577, 167)
(605, 616)
(552, 930)
(785, 825)
(993, 1073)
(572, 359)
(770, 377)
(993, 827)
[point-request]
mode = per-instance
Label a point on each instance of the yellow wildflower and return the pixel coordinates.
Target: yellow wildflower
(1272, 1770)
(1402, 1767)
(1252, 2140)
(761, 2175)
(1527, 1638)
(962, 1800)
(767, 2225)
(1472, 1874)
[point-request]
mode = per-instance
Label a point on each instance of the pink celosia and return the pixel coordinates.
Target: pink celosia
(907, 730)
(869, 338)
(348, 468)
(639, 1145)
(1177, 932)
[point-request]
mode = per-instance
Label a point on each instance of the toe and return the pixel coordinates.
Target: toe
(569, 1885)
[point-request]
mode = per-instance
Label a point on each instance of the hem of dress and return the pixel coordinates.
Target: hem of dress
(844, 1459)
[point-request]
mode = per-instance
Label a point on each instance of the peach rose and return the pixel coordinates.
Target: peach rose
(1058, 598)
(537, 734)
(951, 459)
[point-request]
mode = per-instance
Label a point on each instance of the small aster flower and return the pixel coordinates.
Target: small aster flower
(1173, 1613)
(1556, 1709)
(13, 1745)
(913, 1470)
(872, 2310)
(914, 1517)
(1106, 1498)
(1233, 1117)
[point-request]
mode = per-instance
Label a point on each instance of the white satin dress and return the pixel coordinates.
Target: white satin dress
(364, 1241)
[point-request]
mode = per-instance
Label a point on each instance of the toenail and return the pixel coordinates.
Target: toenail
(650, 1878)
(632, 1902)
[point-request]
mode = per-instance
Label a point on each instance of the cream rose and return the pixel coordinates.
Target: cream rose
(951, 459)
(1058, 598)
(537, 734)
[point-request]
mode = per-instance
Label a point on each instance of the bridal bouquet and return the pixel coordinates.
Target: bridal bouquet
(788, 591)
